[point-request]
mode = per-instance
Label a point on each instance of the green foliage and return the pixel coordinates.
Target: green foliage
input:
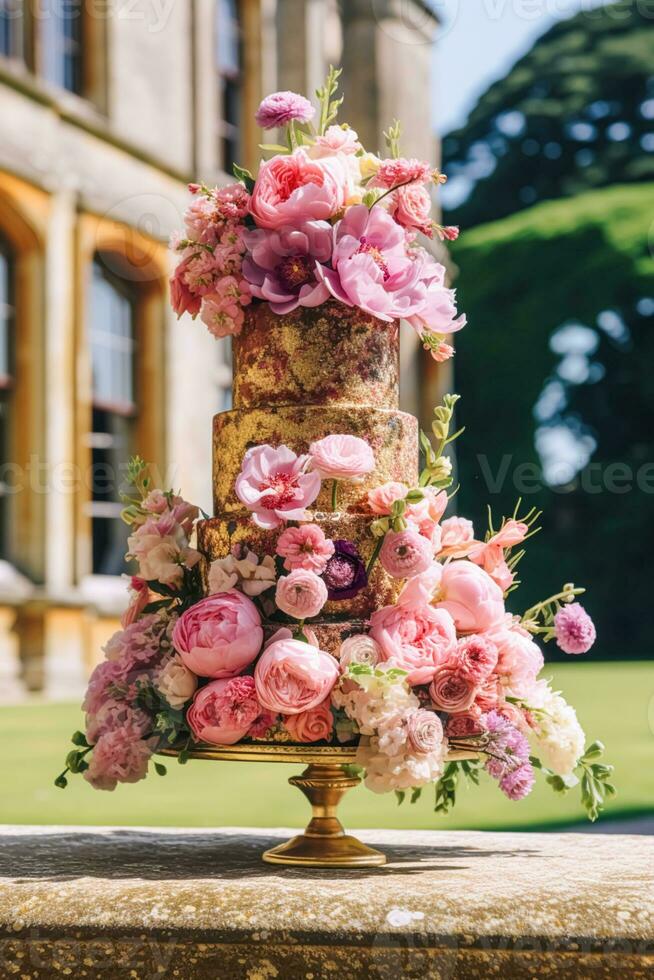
(545, 130)
(593, 777)
(329, 105)
(448, 785)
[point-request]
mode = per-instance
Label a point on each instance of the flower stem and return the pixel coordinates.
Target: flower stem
(334, 495)
(375, 555)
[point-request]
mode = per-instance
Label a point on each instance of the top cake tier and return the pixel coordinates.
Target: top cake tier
(331, 355)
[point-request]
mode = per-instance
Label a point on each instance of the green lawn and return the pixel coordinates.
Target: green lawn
(614, 703)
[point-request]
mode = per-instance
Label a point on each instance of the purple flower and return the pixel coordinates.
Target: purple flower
(519, 782)
(280, 266)
(509, 749)
(574, 629)
(345, 573)
(282, 108)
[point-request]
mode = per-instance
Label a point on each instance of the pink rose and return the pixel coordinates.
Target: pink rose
(520, 660)
(342, 457)
(305, 547)
(293, 188)
(302, 594)
(411, 208)
(220, 635)
(381, 499)
(275, 485)
(417, 639)
(476, 656)
(472, 598)
(457, 536)
(359, 649)
(311, 726)
(424, 731)
(405, 554)
(292, 676)
(223, 711)
(451, 690)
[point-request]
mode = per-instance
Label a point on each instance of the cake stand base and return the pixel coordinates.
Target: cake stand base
(324, 843)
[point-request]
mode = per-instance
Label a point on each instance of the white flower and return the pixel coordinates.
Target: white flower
(404, 770)
(176, 683)
(374, 698)
(248, 574)
(559, 737)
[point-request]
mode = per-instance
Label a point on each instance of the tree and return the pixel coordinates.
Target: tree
(574, 113)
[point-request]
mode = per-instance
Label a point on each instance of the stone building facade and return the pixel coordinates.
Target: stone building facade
(107, 109)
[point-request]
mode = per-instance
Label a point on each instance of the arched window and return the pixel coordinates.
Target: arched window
(230, 80)
(61, 24)
(112, 342)
(7, 292)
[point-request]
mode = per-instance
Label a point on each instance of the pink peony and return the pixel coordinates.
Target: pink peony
(476, 657)
(282, 108)
(342, 457)
(393, 172)
(381, 499)
(472, 598)
(520, 660)
(457, 537)
(574, 629)
(452, 690)
(305, 547)
(424, 731)
(293, 189)
(292, 676)
(223, 711)
(314, 725)
(405, 554)
(280, 266)
(411, 208)
(415, 638)
(275, 485)
(220, 635)
(119, 756)
(302, 594)
(436, 313)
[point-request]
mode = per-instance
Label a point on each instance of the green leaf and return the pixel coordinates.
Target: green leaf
(160, 769)
(79, 738)
(61, 782)
(416, 793)
(400, 795)
(273, 147)
(244, 176)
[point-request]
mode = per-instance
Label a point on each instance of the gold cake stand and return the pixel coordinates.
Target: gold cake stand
(324, 782)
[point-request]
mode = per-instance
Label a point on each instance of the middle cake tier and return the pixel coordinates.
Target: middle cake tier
(392, 435)
(217, 538)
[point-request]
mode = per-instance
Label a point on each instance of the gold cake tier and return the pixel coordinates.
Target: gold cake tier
(330, 355)
(329, 635)
(217, 537)
(393, 436)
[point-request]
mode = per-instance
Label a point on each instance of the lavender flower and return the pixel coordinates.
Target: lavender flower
(574, 629)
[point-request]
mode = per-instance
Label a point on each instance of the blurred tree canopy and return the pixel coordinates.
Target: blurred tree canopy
(577, 112)
(555, 369)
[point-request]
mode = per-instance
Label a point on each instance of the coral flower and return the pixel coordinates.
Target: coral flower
(275, 485)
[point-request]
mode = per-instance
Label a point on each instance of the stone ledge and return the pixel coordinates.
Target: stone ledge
(87, 902)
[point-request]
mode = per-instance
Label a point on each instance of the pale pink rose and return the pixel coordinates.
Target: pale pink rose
(381, 499)
(457, 536)
(156, 502)
(311, 726)
(472, 598)
(140, 596)
(421, 590)
(417, 639)
(405, 553)
(294, 188)
(359, 649)
(424, 731)
(302, 594)
(476, 656)
(451, 690)
(342, 457)
(411, 208)
(119, 756)
(292, 676)
(337, 139)
(275, 485)
(223, 711)
(520, 659)
(220, 635)
(305, 547)
(176, 683)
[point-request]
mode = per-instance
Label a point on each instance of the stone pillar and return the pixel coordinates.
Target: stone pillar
(301, 58)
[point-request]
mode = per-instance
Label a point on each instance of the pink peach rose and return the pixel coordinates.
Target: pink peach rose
(411, 208)
(359, 649)
(381, 499)
(476, 657)
(275, 485)
(302, 594)
(342, 457)
(424, 731)
(314, 725)
(294, 188)
(337, 139)
(457, 536)
(415, 638)
(220, 635)
(223, 711)
(405, 554)
(292, 676)
(451, 690)
(470, 595)
(305, 547)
